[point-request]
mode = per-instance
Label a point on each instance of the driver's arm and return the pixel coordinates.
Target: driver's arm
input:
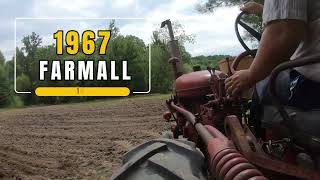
(279, 41)
(285, 27)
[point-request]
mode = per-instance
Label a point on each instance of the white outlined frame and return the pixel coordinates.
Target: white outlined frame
(71, 18)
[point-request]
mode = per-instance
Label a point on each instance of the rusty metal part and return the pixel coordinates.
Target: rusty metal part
(167, 115)
(225, 161)
(174, 50)
(276, 168)
(204, 134)
(217, 83)
(177, 70)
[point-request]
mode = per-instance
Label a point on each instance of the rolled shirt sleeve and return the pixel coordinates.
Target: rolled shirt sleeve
(285, 9)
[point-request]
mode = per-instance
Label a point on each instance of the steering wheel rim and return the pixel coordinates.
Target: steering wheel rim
(237, 60)
(251, 31)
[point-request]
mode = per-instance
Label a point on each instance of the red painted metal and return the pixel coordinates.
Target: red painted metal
(226, 163)
(167, 115)
(216, 133)
(224, 160)
(192, 85)
(240, 137)
(229, 164)
(218, 124)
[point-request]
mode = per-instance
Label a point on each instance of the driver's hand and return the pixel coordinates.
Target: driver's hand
(240, 81)
(252, 8)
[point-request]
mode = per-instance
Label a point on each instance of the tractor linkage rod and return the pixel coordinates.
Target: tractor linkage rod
(201, 129)
(225, 162)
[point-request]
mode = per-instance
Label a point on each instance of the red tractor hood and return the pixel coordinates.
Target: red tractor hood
(193, 84)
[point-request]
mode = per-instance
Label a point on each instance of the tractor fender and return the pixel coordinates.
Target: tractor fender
(163, 159)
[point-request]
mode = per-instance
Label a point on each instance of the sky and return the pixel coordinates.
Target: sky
(213, 32)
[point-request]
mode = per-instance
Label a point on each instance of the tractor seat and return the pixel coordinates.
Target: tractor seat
(306, 124)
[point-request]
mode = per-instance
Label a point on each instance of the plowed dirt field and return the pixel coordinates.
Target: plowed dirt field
(76, 141)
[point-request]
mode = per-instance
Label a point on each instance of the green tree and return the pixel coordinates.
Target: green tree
(9, 66)
(207, 61)
(2, 59)
(161, 35)
(134, 51)
(21, 61)
(23, 84)
(179, 32)
(162, 75)
(7, 95)
(4, 84)
(114, 29)
(31, 44)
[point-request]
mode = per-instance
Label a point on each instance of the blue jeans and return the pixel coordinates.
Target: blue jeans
(292, 89)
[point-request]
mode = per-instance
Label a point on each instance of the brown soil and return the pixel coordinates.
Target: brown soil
(77, 141)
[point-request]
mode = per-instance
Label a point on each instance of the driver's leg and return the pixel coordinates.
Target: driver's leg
(304, 93)
(292, 89)
(261, 97)
(282, 89)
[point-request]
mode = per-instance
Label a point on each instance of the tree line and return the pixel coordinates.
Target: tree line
(130, 48)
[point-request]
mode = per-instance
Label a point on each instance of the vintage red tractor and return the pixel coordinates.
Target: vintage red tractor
(216, 136)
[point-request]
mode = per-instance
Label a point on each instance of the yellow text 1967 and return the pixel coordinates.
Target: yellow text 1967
(86, 42)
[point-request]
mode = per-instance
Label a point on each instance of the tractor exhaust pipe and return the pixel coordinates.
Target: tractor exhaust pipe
(175, 59)
(225, 162)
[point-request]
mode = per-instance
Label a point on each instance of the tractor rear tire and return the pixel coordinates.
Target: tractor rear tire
(167, 134)
(163, 159)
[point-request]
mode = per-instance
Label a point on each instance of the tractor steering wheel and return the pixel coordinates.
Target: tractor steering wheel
(248, 51)
(251, 31)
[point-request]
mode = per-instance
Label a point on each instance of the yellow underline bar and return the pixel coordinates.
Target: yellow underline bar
(82, 91)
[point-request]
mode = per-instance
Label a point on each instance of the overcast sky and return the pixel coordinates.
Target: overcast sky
(214, 33)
